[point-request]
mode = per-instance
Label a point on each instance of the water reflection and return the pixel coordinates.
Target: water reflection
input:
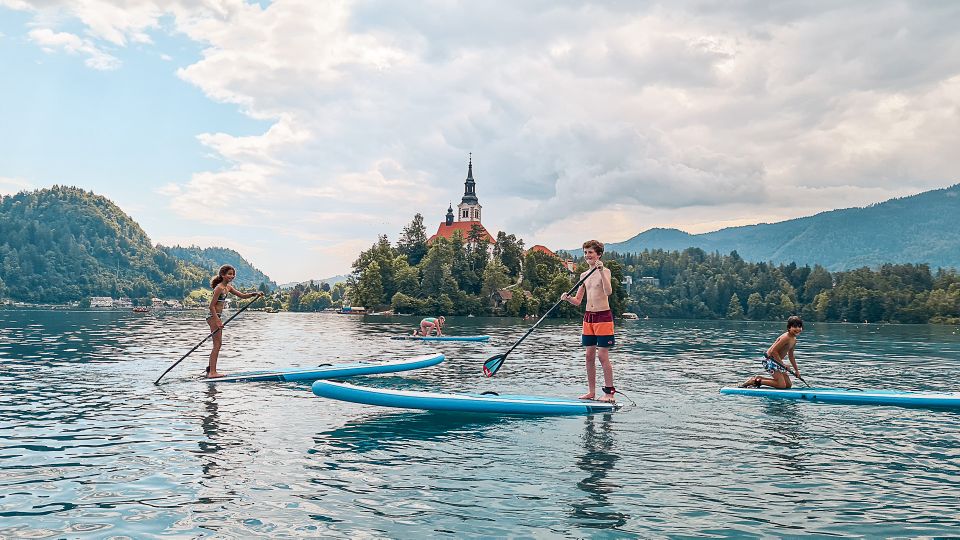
(383, 431)
(597, 460)
(783, 429)
(210, 446)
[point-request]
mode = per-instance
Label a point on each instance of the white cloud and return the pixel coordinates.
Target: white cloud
(602, 118)
(51, 42)
(11, 186)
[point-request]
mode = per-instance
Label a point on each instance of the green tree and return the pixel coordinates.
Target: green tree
(370, 288)
(339, 290)
(461, 267)
(315, 301)
(407, 277)
(510, 252)
(443, 305)
(436, 269)
(822, 306)
(818, 280)
(413, 241)
(786, 306)
(479, 250)
(734, 308)
(494, 278)
(756, 309)
(402, 303)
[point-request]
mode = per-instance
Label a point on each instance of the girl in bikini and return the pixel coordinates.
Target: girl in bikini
(221, 286)
(429, 324)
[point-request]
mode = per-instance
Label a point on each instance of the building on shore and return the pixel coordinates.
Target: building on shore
(101, 302)
(568, 264)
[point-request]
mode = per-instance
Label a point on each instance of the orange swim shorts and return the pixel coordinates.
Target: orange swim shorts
(597, 329)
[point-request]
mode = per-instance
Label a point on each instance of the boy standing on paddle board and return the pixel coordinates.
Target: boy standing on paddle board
(597, 321)
(773, 358)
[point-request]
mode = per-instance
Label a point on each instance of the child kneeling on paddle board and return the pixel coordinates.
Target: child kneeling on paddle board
(597, 320)
(772, 360)
(221, 286)
(430, 323)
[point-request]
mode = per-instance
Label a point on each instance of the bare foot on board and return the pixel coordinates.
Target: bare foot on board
(588, 395)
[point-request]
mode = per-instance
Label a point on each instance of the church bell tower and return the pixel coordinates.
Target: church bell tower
(469, 207)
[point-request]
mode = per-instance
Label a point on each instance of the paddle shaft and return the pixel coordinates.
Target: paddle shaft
(197, 346)
(573, 290)
(781, 364)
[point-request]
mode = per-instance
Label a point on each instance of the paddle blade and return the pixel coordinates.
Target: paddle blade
(491, 366)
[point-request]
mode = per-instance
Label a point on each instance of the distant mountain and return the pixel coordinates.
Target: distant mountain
(64, 244)
(916, 229)
(329, 281)
(212, 258)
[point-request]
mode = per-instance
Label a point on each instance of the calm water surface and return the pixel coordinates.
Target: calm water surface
(90, 448)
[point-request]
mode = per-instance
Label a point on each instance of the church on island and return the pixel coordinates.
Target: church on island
(468, 212)
(468, 215)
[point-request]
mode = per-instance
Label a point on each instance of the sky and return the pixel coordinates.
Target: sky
(296, 132)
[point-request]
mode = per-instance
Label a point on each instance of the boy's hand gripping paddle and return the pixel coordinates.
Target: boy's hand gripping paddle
(493, 364)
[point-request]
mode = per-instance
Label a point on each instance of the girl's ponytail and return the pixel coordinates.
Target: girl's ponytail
(219, 277)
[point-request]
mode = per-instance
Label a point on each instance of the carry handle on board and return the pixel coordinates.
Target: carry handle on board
(197, 346)
(493, 364)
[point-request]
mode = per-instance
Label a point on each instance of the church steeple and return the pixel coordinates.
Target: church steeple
(450, 215)
(469, 206)
(470, 186)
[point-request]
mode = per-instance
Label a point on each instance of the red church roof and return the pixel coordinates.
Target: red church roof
(569, 265)
(446, 231)
(543, 249)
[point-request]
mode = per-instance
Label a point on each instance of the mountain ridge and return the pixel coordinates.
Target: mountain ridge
(913, 229)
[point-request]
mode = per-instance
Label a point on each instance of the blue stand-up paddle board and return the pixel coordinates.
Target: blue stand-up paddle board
(902, 398)
(443, 338)
(439, 401)
(333, 371)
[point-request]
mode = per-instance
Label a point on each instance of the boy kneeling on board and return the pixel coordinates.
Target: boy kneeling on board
(597, 321)
(772, 360)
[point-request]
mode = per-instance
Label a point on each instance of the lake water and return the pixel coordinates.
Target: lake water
(90, 448)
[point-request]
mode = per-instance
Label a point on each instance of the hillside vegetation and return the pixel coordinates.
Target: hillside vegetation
(65, 244)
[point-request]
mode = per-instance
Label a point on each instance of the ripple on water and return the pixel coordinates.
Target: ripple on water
(90, 448)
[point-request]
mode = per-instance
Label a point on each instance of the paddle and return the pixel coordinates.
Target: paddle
(494, 362)
(239, 311)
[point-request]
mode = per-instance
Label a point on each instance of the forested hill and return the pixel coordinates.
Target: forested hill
(212, 258)
(917, 229)
(65, 244)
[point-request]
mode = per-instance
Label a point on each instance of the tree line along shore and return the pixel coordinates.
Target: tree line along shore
(64, 245)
